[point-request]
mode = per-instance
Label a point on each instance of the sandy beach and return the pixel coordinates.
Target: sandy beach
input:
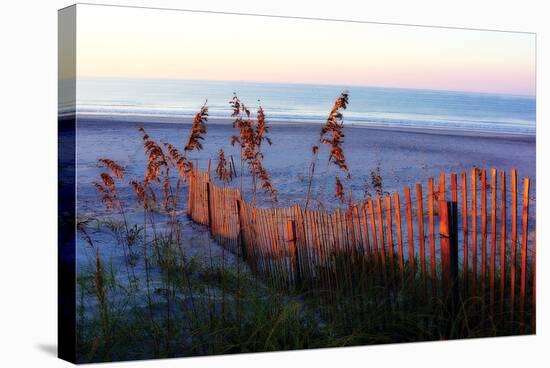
(405, 156)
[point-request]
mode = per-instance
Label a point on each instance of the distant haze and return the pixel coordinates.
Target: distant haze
(116, 42)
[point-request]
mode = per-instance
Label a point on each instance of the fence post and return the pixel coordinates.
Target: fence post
(445, 241)
(448, 225)
(241, 233)
(291, 231)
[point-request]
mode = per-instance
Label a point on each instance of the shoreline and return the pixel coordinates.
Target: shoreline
(171, 122)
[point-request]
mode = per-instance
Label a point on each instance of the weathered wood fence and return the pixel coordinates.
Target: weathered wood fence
(460, 236)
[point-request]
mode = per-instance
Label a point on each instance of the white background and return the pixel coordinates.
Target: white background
(28, 181)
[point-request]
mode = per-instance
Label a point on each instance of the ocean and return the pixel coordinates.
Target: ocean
(171, 100)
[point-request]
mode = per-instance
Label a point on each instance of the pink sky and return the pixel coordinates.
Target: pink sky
(145, 43)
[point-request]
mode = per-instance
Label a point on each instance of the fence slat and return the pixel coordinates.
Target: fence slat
(514, 208)
(274, 216)
(445, 242)
(373, 232)
(325, 246)
(351, 227)
(318, 238)
(420, 222)
(493, 239)
(333, 228)
(408, 208)
(366, 231)
(483, 185)
(431, 230)
(389, 226)
(524, 239)
(474, 231)
(263, 229)
(465, 267)
(360, 241)
(399, 234)
(382, 238)
(328, 249)
(502, 238)
(442, 186)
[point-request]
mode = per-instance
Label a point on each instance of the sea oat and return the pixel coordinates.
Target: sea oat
(223, 169)
(198, 129)
(107, 189)
(252, 132)
(332, 133)
(107, 180)
(140, 191)
(261, 128)
(156, 159)
(339, 191)
(266, 184)
(106, 195)
(116, 169)
(81, 226)
(179, 161)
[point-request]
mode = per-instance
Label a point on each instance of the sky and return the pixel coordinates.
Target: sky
(116, 42)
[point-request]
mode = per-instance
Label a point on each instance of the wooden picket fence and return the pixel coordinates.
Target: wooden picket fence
(457, 237)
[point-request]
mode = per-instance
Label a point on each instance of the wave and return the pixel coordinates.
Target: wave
(383, 119)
